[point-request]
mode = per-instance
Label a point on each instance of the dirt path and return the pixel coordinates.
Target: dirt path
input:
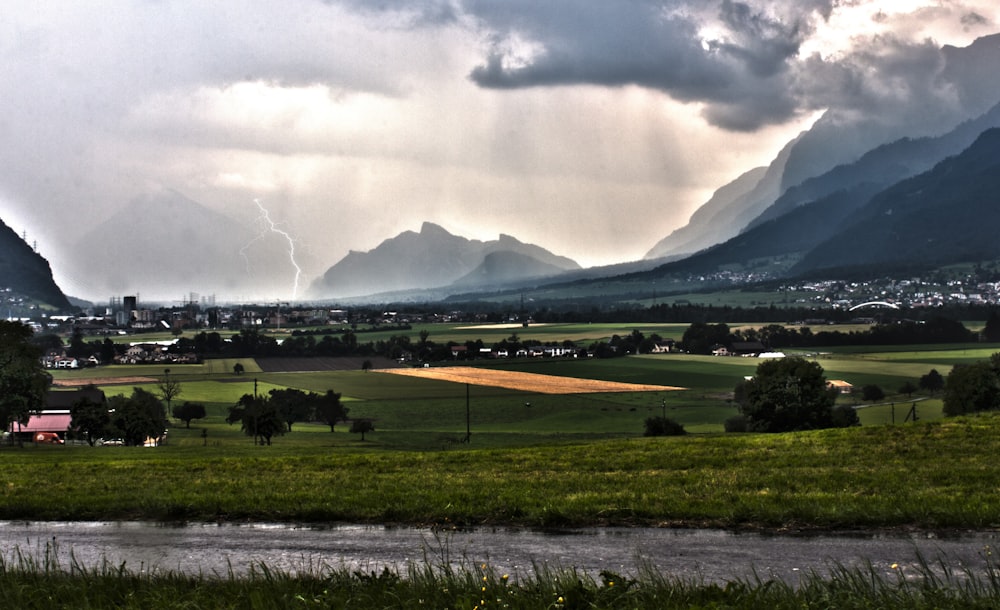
(78, 383)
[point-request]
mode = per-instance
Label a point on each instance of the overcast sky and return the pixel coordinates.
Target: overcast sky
(592, 128)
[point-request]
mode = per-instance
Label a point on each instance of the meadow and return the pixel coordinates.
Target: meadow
(532, 460)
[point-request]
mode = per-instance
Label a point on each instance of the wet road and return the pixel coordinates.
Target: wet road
(708, 555)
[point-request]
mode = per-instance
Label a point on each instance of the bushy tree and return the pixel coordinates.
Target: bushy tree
(188, 411)
(138, 417)
(329, 409)
(872, 392)
(787, 394)
(293, 405)
(700, 337)
(91, 418)
(932, 381)
(908, 388)
(23, 381)
(991, 332)
(663, 426)
(258, 418)
(845, 416)
(970, 388)
(362, 426)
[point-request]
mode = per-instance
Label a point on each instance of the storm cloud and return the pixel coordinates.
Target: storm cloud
(743, 60)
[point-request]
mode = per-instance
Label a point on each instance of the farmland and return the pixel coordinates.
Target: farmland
(534, 459)
(482, 450)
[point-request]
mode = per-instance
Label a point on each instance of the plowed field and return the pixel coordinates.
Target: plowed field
(528, 382)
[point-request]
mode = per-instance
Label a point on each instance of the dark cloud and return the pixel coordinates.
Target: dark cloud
(974, 19)
(656, 45)
(408, 13)
(601, 45)
(763, 43)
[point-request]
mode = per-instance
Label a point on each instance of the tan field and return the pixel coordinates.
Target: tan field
(528, 382)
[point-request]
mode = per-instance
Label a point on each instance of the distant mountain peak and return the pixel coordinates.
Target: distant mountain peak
(430, 228)
(435, 258)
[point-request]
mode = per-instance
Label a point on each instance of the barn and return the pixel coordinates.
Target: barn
(53, 420)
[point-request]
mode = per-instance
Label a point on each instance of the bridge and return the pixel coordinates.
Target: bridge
(875, 304)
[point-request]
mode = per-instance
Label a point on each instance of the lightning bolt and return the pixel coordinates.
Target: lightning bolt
(265, 226)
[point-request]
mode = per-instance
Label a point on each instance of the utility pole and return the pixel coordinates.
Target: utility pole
(468, 421)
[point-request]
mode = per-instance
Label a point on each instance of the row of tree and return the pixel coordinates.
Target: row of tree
(266, 416)
(133, 419)
(701, 337)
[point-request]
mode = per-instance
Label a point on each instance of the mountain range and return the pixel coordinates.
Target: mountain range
(25, 273)
(433, 258)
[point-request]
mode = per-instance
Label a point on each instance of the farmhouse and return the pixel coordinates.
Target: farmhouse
(747, 348)
(52, 421)
(663, 347)
(840, 385)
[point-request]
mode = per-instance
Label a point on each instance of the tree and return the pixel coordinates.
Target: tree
(663, 426)
(700, 337)
(238, 368)
(845, 416)
(169, 388)
(292, 405)
(361, 426)
(908, 388)
(23, 381)
(188, 411)
(932, 381)
(90, 417)
(872, 392)
(366, 365)
(971, 388)
(991, 332)
(139, 417)
(787, 394)
(257, 417)
(329, 409)
(77, 346)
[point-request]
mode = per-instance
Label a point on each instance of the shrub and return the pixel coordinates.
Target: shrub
(663, 426)
(736, 423)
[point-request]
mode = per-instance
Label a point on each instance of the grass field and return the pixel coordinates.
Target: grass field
(533, 460)
(46, 584)
(424, 413)
(533, 457)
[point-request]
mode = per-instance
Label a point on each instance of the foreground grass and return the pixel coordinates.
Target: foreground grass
(939, 474)
(27, 584)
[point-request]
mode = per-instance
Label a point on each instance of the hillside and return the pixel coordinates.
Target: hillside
(24, 272)
(435, 258)
(840, 139)
(728, 211)
(884, 165)
(943, 216)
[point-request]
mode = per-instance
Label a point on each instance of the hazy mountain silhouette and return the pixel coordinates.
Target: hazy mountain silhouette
(728, 211)
(434, 258)
(179, 243)
(884, 165)
(25, 272)
(946, 215)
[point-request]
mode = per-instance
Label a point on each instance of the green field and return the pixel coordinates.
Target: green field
(531, 459)
(415, 413)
